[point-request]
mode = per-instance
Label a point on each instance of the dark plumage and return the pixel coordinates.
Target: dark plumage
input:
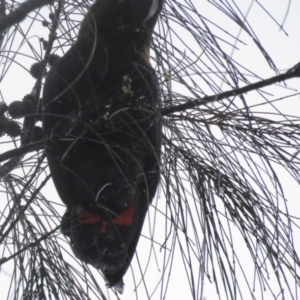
(101, 120)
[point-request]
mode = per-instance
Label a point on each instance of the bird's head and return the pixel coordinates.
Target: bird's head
(118, 23)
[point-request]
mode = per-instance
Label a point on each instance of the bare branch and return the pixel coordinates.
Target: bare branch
(292, 73)
(21, 12)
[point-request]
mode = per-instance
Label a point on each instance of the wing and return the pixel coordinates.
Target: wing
(68, 86)
(108, 240)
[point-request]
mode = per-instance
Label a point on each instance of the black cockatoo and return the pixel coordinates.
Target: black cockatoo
(101, 121)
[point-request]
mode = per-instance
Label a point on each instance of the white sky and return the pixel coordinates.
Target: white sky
(284, 50)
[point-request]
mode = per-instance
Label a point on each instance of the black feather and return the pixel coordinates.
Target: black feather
(101, 120)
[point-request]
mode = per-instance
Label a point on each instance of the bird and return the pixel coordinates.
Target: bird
(101, 123)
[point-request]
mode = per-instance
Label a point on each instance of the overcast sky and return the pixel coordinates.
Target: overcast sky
(284, 48)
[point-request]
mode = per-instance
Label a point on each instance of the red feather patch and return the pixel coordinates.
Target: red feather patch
(125, 218)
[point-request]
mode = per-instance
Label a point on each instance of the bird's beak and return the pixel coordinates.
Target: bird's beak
(152, 11)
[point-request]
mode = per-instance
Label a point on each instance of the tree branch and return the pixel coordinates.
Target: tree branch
(21, 12)
(21, 151)
(292, 73)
